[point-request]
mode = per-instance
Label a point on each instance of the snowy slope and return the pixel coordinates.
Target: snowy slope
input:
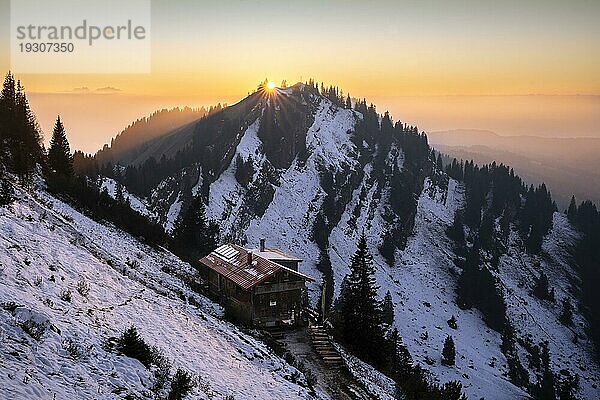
(287, 222)
(423, 279)
(137, 204)
(46, 249)
(226, 193)
(537, 320)
(345, 235)
(423, 289)
(422, 272)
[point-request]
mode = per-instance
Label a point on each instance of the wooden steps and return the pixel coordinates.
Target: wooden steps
(323, 346)
(275, 332)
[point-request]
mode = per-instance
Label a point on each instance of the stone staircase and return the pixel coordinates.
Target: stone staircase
(322, 344)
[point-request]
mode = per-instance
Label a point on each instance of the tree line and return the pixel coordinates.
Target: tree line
(498, 202)
(586, 217)
(23, 155)
(363, 323)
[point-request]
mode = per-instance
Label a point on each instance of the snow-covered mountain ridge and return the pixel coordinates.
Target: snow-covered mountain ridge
(302, 171)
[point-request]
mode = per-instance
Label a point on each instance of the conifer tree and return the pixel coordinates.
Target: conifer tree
(568, 385)
(449, 352)
(388, 309)
(195, 236)
(566, 314)
(348, 102)
(182, 383)
(29, 131)
(6, 191)
(452, 391)
(361, 310)
(541, 289)
(572, 210)
(401, 360)
(131, 344)
(59, 154)
(119, 195)
(456, 232)
(8, 103)
(19, 132)
(545, 388)
(439, 164)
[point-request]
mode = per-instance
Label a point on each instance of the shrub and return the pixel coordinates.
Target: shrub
(131, 344)
(162, 369)
(9, 306)
(66, 295)
(182, 383)
(6, 192)
(133, 264)
(73, 349)
(33, 329)
(83, 288)
(452, 323)
(449, 352)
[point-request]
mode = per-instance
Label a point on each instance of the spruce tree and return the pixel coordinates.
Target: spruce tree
(8, 103)
(568, 385)
(195, 236)
(119, 195)
(19, 131)
(566, 314)
(348, 102)
(362, 314)
(456, 231)
(131, 344)
(401, 360)
(439, 164)
(59, 154)
(452, 391)
(449, 352)
(545, 388)
(182, 383)
(572, 210)
(541, 289)
(388, 309)
(29, 130)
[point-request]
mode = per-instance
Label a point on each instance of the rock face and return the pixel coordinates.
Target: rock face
(309, 175)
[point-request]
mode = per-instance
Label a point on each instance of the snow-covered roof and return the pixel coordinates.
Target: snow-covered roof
(244, 267)
(274, 254)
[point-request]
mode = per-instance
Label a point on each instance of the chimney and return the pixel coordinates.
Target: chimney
(249, 257)
(262, 244)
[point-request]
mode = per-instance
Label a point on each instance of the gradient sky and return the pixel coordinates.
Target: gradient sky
(383, 48)
(428, 62)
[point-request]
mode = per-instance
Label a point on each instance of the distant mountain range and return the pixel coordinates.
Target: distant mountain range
(567, 165)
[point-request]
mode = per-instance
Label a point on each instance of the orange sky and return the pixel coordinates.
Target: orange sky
(390, 52)
(383, 48)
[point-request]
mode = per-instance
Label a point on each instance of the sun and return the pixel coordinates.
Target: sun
(270, 85)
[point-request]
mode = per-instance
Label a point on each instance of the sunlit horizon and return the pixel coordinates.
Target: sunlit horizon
(439, 67)
(369, 49)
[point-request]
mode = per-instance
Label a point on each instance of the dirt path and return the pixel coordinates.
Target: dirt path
(337, 383)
